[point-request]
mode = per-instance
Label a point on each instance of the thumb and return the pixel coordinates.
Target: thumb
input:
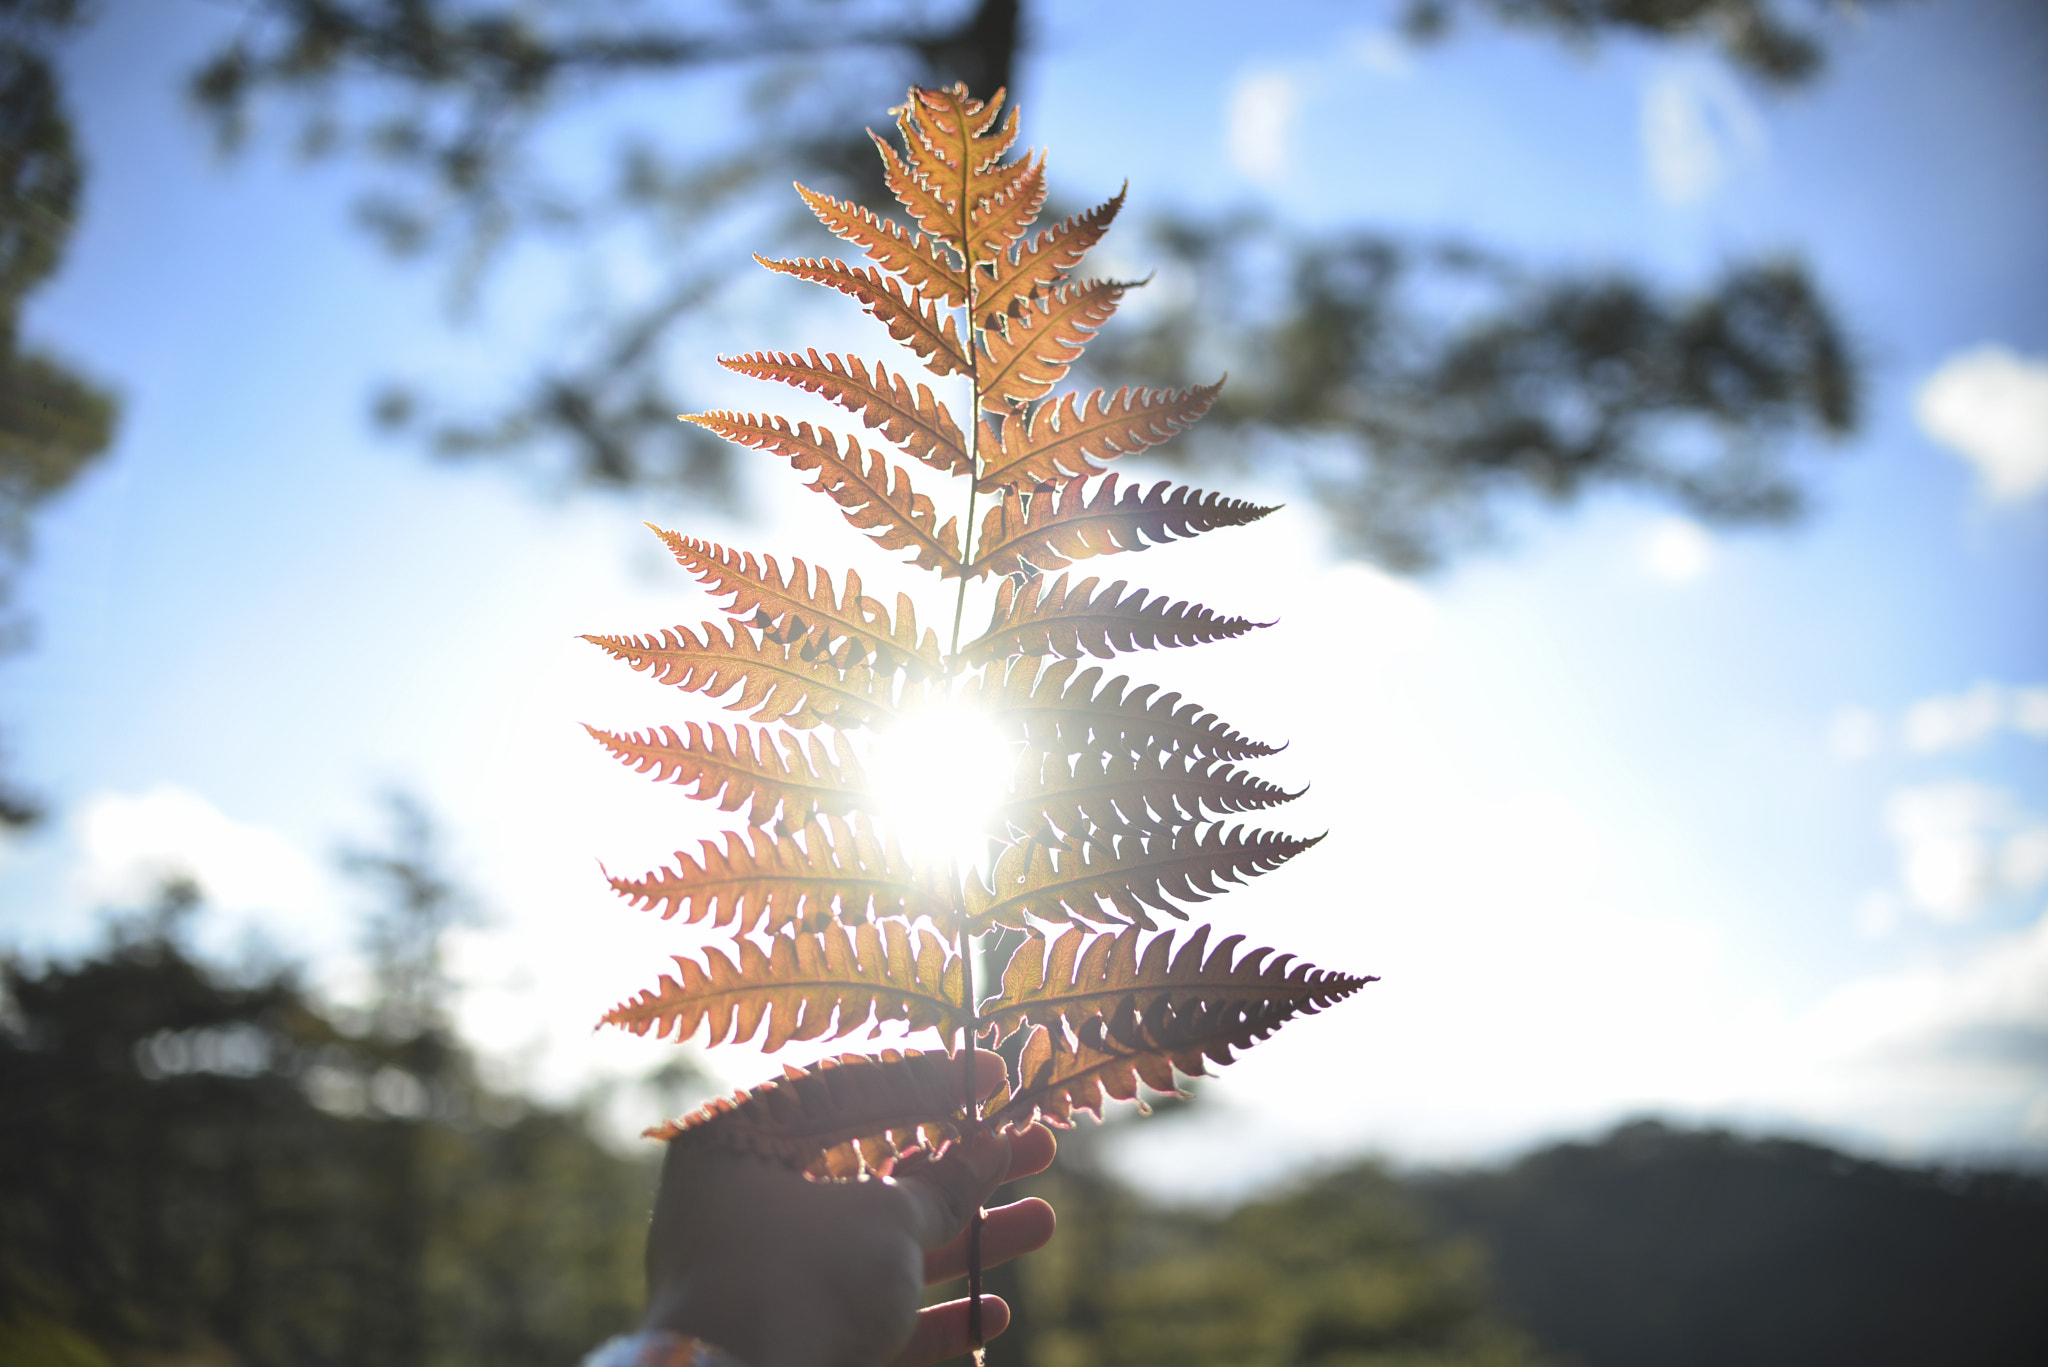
(944, 1194)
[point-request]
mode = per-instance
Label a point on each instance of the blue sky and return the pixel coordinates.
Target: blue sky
(1627, 814)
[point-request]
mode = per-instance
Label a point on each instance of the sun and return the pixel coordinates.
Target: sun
(941, 770)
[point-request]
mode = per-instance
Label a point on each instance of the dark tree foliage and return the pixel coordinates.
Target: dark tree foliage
(1344, 1271)
(1411, 426)
(53, 422)
(1651, 1247)
(454, 98)
(203, 1167)
(415, 907)
(1658, 1247)
(1776, 40)
(1408, 420)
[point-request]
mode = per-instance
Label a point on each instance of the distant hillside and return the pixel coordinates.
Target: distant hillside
(1658, 1247)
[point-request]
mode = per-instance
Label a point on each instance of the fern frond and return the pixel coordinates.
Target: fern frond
(1063, 440)
(918, 423)
(1077, 795)
(874, 495)
(839, 870)
(938, 218)
(777, 772)
(805, 987)
(1005, 210)
(1021, 275)
(1060, 711)
(915, 257)
(1045, 618)
(1111, 1054)
(774, 682)
(911, 318)
(1083, 974)
(1030, 351)
(797, 608)
(953, 150)
(1120, 792)
(838, 1118)
(1056, 529)
(1122, 877)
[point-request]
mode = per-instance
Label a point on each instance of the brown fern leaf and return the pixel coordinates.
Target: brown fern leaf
(774, 682)
(805, 987)
(1060, 711)
(1111, 1054)
(836, 1119)
(1045, 618)
(1083, 974)
(918, 423)
(767, 884)
(874, 495)
(1056, 529)
(915, 257)
(1027, 353)
(1062, 440)
(778, 773)
(1019, 276)
(953, 149)
(909, 316)
(848, 631)
(937, 216)
(1079, 795)
(1006, 212)
(1121, 877)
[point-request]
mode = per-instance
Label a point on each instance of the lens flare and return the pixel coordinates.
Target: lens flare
(940, 772)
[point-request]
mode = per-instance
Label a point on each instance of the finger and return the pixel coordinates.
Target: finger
(1006, 1232)
(940, 1196)
(1031, 1151)
(941, 1331)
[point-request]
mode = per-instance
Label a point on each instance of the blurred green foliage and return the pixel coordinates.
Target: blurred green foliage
(201, 1167)
(53, 421)
(197, 1167)
(1340, 1273)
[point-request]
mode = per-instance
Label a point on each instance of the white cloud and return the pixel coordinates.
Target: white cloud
(1677, 550)
(1944, 722)
(1991, 408)
(2029, 712)
(1697, 129)
(2001, 987)
(1960, 843)
(2023, 864)
(1953, 721)
(128, 844)
(1941, 832)
(1262, 111)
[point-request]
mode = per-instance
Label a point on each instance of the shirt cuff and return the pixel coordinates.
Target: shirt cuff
(658, 1348)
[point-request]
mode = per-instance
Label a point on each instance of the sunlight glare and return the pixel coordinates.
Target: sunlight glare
(940, 773)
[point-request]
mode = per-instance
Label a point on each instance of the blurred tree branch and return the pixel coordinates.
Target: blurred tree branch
(1412, 386)
(418, 904)
(1764, 38)
(53, 421)
(1409, 420)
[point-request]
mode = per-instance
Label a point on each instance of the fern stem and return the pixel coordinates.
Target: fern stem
(962, 941)
(967, 545)
(963, 946)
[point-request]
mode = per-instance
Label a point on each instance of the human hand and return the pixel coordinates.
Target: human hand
(781, 1271)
